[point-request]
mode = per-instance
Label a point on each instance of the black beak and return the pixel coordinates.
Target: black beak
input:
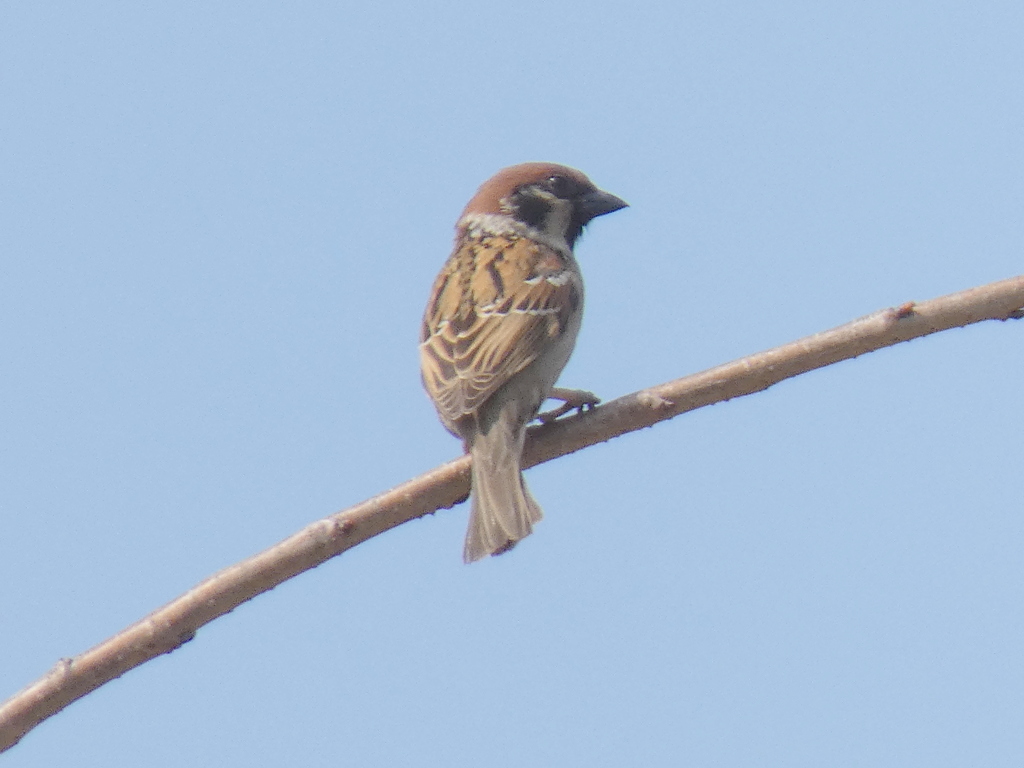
(598, 203)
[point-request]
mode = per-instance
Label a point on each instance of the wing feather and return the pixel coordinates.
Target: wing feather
(498, 304)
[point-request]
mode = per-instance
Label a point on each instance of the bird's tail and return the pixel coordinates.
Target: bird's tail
(502, 511)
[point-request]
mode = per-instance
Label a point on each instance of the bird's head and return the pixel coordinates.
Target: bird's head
(552, 201)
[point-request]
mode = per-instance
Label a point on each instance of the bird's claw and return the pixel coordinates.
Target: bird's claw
(579, 400)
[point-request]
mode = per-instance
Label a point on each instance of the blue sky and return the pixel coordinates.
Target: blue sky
(219, 224)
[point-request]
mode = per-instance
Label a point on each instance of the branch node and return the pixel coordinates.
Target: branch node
(653, 400)
(905, 310)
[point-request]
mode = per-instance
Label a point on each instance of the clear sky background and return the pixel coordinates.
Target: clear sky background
(218, 227)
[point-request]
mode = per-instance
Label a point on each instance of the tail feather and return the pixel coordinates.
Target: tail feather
(502, 509)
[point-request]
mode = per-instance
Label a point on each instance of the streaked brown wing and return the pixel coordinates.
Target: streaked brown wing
(496, 306)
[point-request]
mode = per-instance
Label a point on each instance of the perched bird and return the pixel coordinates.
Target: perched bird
(499, 328)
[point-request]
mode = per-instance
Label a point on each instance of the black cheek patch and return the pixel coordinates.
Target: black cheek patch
(530, 209)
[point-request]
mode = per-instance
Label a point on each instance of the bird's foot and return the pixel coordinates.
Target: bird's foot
(579, 400)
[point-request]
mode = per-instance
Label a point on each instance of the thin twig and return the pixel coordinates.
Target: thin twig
(177, 622)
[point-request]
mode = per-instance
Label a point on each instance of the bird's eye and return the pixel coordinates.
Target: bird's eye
(560, 186)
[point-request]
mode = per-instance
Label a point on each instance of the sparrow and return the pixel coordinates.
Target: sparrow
(498, 329)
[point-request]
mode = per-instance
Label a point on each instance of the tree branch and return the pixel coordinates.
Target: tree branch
(177, 622)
